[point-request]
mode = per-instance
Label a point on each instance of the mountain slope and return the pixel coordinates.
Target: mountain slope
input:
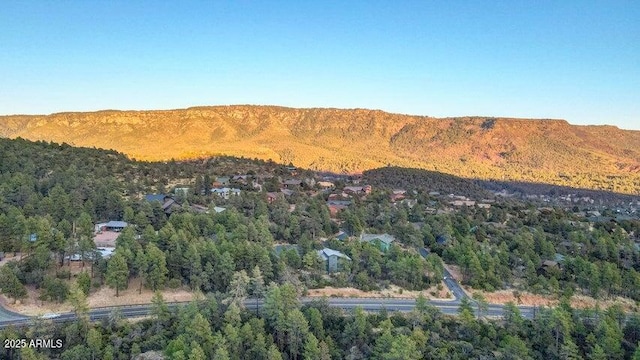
(551, 151)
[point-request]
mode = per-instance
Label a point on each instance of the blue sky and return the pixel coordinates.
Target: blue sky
(576, 60)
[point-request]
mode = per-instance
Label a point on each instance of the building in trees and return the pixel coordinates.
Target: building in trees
(331, 259)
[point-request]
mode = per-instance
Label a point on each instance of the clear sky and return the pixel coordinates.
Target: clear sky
(576, 60)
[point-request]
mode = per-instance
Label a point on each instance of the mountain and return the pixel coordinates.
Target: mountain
(548, 151)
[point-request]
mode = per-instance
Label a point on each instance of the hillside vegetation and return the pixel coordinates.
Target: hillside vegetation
(549, 151)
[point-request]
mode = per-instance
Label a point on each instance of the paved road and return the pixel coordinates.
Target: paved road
(448, 307)
(453, 286)
(347, 304)
(8, 315)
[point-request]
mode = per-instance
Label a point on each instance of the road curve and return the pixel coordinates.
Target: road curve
(448, 307)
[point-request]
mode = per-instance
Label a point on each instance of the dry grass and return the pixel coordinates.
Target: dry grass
(10, 257)
(104, 296)
(392, 292)
(577, 301)
(505, 296)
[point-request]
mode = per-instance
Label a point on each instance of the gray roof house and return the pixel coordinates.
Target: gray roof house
(156, 197)
(330, 258)
(383, 241)
(115, 225)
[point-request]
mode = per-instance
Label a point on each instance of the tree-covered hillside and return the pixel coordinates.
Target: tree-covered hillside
(264, 243)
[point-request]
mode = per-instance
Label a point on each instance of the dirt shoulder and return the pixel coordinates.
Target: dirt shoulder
(393, 292)
(104, 296)
(577, 301)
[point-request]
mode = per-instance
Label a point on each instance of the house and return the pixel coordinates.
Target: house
(325, 185)
(336, 205)
(226, 192)
(105, 252)
(161, 198)
(442, 239)
(409, 202)
(417, 225)
(167, 203)
(334, 210)
(287, 192)
(272, 196)
(169, 206)
(223, 180)
(342, 235)
(116, 226)
(292, 170)
(463, 203)
(550, 266)
(292, 184)
(353, 189)
(331, 259)
(218, 209)
(242, 179)
(200, 209)
(181, 191)
(382, 241)
(344, 203)
(280, 248)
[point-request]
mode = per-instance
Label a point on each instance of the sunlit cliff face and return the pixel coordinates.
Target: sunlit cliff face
(550, 151)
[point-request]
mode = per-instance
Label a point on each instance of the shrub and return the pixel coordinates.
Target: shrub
(174, 283)
(54, 289)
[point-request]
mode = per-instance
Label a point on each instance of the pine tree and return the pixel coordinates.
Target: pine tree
(142, 267)
(94, 341)
(311, 348)
(297, 330)
(117, 272)
(598, 353)
(84, 282)
(402, 348)
(238, 288)
(274, 353)
(11, 285)
(256, 284)
(156, 267)
(196, 352)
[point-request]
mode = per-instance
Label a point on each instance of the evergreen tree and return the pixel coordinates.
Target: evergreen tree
(94, 342)
(311, 348)
(142, 267)
(117, 272)
(402, 348)
(297, 330)
(156, 267)
(256, 284)
(84, 282)
(274, 353)
(198, 354)
(11, 285)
